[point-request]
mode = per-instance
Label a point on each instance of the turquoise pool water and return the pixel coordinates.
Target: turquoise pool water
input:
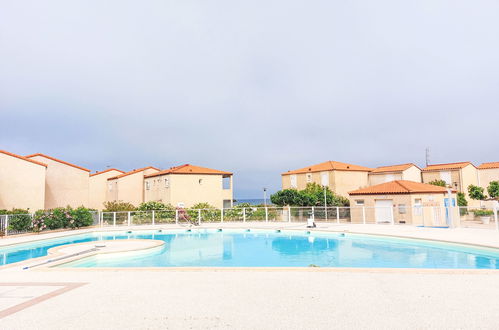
(264, 248)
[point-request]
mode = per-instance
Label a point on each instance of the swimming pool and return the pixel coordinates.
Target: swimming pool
(266, 248)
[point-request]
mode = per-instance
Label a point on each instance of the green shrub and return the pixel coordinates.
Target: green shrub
(437, 182)
(19, 219)
(82, 217)
(62, 217)
(117, 206)
(482, 213)
(20, 222)
(39, 219)
(164, 213)
(208, 213)
(149, 206)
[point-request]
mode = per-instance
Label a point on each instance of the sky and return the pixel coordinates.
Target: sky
(252, 87)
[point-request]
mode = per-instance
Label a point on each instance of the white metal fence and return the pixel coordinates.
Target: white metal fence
(423, 216)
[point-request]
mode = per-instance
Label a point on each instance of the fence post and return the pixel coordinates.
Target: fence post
(289, 213)
(222, 216)
(337, 215)
(114, 219)
(244, 214)
(153, 218)
(495, 215)
(129, 218)
(266, 214)
(364, 215)
(392, 216)
(313, 213)
(176, 217)
(6, 224)
(199, 217)
(422, 214)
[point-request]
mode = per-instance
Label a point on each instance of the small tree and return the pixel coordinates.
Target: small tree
(493, 190)
(312, 195)
(476, 192)
(462, 203)
(286, 197)
(440, 183)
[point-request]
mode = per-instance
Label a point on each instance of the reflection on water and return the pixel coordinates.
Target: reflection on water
(199, 247)
(295, 245)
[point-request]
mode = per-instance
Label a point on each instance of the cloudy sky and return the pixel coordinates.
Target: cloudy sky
(254, 87)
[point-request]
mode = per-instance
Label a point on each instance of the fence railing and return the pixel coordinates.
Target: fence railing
(422, 216)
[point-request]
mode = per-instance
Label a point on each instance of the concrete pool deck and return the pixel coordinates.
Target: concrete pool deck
(245, 299)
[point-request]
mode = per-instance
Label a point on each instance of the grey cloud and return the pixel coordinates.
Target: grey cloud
(256, 87)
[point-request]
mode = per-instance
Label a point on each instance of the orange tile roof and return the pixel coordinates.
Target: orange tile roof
(393, 168)
(189, 169)
(23, 158)
(485, 166)
(449, 166)
(58, 160)
(133, 172)
(400, 187)
(329, 166)
(105, 171)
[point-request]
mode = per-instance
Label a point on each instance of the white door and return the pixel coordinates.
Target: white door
(383, 210)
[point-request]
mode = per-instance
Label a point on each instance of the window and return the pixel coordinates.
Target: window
(309, 177)
(293, 181)
(325, 179)
(167, 183)
(200, 181)
(402, 209)
(226, 182)
(359, 202)
(110, 187)
(227, 203)
(148, 185)
(418, 206)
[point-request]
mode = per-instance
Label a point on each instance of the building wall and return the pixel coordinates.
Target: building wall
(22, 184)
(340, 182)
(469, 176)
(412, 174)
(285, 182)
(187, 189)
(112, 190)
(487, 176)
(64, 185)
(375, 178)
(129, 188)
(433, 212)
(345, 181)
(437, 175)
(97, 189)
